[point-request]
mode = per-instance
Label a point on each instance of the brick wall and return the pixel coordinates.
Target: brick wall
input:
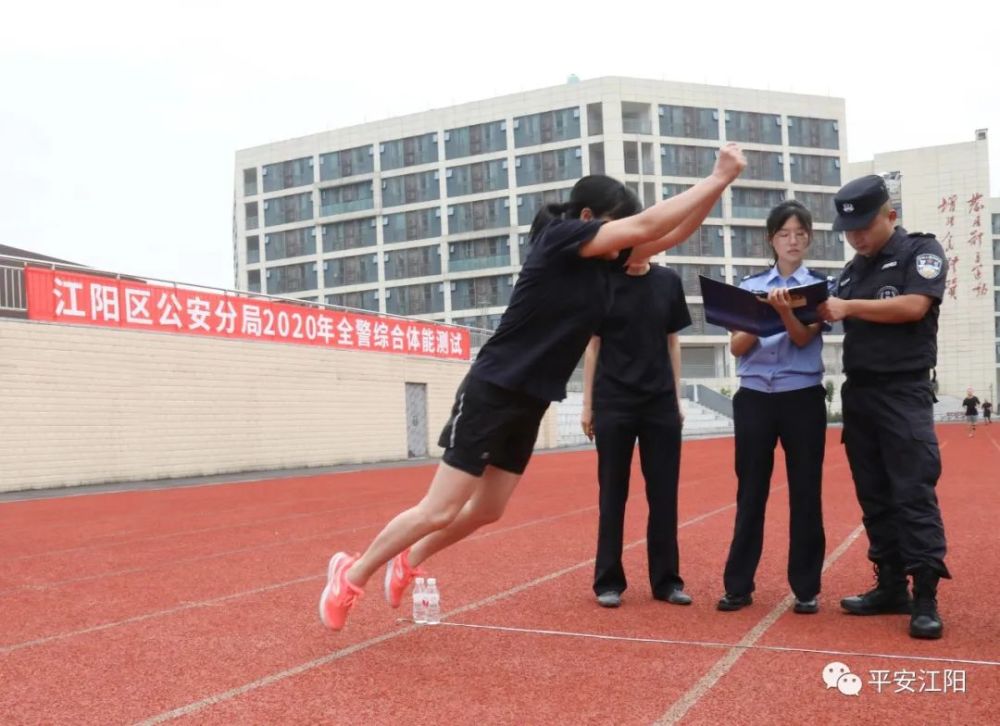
(83, 405)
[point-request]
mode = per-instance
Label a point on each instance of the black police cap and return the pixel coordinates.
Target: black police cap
(859, 201)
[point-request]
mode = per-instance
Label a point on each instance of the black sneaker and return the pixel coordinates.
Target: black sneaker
(806, 607)
(610, 599)
(729, 602)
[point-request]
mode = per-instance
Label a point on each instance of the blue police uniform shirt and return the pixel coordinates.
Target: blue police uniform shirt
(775, 364)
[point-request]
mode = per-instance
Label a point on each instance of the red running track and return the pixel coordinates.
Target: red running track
(198, 605)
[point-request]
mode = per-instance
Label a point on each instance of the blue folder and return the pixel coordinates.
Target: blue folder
(736, 309)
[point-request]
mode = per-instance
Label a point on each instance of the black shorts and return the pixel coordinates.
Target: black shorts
(490, 425)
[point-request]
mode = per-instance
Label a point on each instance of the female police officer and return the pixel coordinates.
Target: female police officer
(780, 398)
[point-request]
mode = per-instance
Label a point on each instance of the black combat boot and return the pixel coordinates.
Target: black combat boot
(890, 595)
(925, 621)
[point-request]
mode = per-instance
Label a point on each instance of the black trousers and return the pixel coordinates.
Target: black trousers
(893, 452)
(798, 420)
(656, 425)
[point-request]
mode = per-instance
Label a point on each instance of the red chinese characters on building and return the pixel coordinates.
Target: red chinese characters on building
(55, 296)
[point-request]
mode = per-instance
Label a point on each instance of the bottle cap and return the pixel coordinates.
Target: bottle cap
(432, 581)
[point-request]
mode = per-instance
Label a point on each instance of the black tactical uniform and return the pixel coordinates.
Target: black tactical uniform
(888, 412)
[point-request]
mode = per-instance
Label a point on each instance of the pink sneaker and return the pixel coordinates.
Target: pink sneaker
(339, 595)
(398, 576)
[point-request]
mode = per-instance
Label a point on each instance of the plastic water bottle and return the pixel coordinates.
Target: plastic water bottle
(433, 599)
(419, 601)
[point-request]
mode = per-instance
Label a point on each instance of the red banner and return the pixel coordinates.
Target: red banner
(66, 297)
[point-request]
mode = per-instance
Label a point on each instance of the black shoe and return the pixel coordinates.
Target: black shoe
(728, 603)
(806, 607)
(677, 596)
(610, 599)
(890, 595)
(925, 622)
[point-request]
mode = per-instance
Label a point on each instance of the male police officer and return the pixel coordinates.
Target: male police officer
(888, 297)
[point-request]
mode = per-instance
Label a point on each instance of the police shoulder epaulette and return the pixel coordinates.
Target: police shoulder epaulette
(756, 274)
(926, 235)
(818, 275)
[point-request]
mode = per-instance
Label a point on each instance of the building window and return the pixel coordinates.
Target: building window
(348, 198)
(410, 151)
(635, 119)
(249, 182)
(253, 280)
(472, 140)
(291, 278)
(595, 119)
(349, 162)
(288, 174)
(689, 275)
(529, 204)
(484, 176)
(996, 227)
(749, 203)
(418, 224)
(414, 262)
(596, 158)
(816, 133)
(826, 245)
(474, 216)
(749, 242)
(253, 249)
(478, 254)
(291, 243)
(757, 128)
(250, 212)
(806, 169)
(481, 292)
(764, 165)
(358, 300)
(349, 235)
(693, 161)
(699, 326)
(544, 128)
(415, 299)
(481, 322)
(293, 208)
(819, 203)
(350, 270)
(699, 361)
(688, 122)
(707, 241)
(672, 190)
(549, 166)
(410, 189)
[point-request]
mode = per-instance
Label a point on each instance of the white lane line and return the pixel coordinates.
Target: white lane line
(726, 662)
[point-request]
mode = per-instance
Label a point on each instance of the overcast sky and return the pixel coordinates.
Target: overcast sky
(119, 120)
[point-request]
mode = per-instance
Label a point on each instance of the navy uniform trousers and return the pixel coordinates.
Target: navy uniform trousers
(894, 456)
(797, 419)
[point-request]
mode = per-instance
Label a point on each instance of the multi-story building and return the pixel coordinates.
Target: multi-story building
(427, 214)
(945, 190)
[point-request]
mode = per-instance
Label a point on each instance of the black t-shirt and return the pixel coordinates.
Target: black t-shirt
(971, 406)
(559, 300)
(987, 408)
(634, 363)
(908, 264)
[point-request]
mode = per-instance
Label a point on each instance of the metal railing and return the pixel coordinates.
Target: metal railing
(13, 298)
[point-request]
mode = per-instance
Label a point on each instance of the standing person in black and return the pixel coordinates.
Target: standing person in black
(987, 412)
(971, 404)
(634, 396)
(889, 297)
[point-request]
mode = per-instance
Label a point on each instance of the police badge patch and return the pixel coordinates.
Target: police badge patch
(886, 291)
(929, 266)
